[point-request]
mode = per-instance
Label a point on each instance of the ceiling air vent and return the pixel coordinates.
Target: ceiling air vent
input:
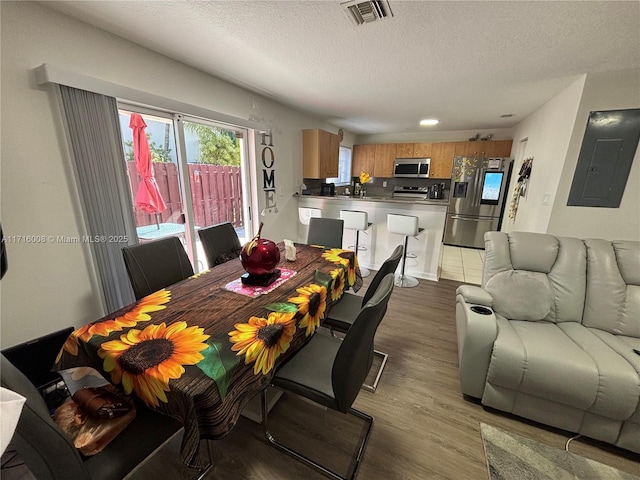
(366, 12)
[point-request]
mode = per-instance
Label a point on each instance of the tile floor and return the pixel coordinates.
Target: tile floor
(462, 264)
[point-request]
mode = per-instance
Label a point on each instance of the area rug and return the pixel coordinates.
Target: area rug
(513, 457)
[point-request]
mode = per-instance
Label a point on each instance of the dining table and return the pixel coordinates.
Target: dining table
(201, 349)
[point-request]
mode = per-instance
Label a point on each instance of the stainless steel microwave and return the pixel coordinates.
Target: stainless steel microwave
(411, 167)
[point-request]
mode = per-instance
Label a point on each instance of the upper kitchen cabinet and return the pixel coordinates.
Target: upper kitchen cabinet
(498, 148)
(364, 159)
(380, 158)
(320, 152)
(467, 148)
(385, 157)
(442, 159)
(422, 150)
(404, 150)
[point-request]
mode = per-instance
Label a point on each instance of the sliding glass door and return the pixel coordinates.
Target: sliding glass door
(215, 166)
(199, 168)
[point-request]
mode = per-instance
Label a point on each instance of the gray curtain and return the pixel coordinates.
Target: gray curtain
(96, 143)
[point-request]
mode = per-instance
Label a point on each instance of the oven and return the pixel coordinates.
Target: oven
(414, 193)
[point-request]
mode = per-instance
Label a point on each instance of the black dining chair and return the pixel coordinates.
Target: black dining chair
(50, 455)
(34, 359)
(220, 243)
(344, 313)
(155, 265)
(330, 372)
(326, 232)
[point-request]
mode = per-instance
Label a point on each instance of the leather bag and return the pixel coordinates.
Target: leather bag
(99, 402)
(91, 434)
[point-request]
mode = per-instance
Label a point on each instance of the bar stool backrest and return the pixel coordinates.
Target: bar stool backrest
(402, 224)
(355, 219)
(306, 214)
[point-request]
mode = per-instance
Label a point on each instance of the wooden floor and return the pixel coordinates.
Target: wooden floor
(424, 428)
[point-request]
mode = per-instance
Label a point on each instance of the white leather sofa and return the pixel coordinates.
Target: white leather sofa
(550, 335)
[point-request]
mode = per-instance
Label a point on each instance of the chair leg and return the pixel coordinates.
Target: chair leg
(365, 386)
(357, 241)
(364, 272)
(405, 280)
(372, 388)
(206, 469)
(404, 255)
(304, 459)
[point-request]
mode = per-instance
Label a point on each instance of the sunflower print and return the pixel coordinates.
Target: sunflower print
(145, 360)
(312, 304)
(71, 343)
(139, 312)
(341, 257)
(263, 340)
(200, 274)
(337, 286)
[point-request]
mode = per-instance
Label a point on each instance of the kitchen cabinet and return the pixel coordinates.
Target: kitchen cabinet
(385, 157)
(320, 152)
(379, 158)
(363, 160)
(468, 148)
(488, 148)
(498, 148)
(405, 150)
(422, 150)
(442, 159)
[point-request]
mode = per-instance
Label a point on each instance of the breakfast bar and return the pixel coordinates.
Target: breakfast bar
(424, 250)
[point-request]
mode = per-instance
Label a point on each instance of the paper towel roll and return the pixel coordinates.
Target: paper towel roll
(289, 250)
(10, 408)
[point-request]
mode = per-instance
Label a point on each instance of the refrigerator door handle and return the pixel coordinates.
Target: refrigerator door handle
(479, 180)
(473, 219)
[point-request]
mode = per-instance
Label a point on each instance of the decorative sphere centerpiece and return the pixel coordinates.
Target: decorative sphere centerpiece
(259, 257)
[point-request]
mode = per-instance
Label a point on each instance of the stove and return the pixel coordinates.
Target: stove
(417, 193)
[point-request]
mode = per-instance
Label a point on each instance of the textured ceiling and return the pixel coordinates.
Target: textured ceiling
(465, 63)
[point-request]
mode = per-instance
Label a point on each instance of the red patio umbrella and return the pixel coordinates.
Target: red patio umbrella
(148, 196)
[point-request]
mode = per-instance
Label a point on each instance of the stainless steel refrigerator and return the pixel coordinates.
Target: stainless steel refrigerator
(476, 200)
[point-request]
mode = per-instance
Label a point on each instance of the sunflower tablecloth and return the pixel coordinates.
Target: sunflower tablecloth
(199, 352)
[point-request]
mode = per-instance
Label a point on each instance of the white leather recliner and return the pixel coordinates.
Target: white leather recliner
(550, 335)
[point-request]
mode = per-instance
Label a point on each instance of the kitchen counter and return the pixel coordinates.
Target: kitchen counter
(377, 240)
(444, 202)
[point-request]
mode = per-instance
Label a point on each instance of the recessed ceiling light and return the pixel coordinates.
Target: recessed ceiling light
(506, 115)
(429, 121)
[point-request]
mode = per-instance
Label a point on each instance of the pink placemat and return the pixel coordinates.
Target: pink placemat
(254, 291)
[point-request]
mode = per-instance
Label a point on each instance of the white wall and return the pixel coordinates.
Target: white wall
(547, 132)
(602, 91)
(49, 286)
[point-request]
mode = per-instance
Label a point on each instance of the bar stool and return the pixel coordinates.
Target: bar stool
(304, 214)
(406, 225)
(358, 221)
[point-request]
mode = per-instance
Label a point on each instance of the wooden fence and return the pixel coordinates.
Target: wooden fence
(216, 194)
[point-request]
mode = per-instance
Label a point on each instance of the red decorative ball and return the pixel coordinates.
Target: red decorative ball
(260, 256)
